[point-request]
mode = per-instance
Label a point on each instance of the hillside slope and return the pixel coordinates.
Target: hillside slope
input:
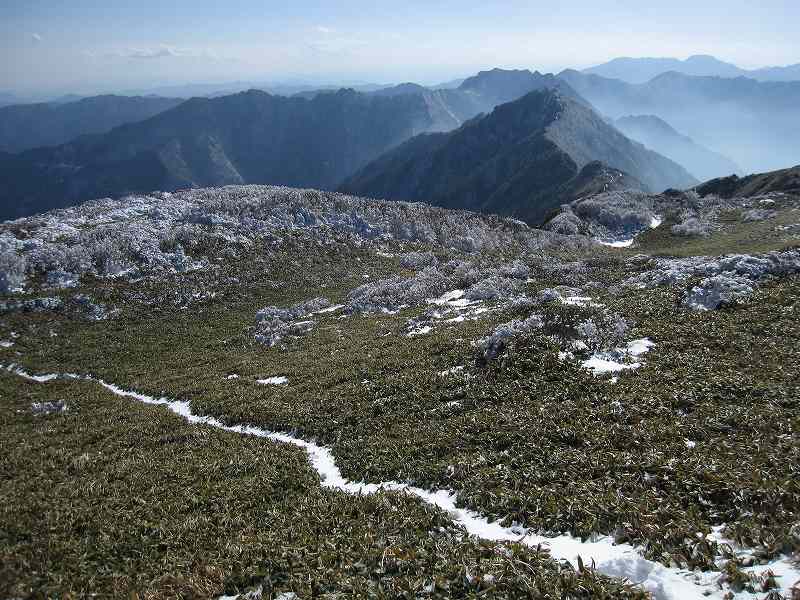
(785, 181)
(520, 160)
(298, 393)
(27, 126)
(251, 137)
(659, 135)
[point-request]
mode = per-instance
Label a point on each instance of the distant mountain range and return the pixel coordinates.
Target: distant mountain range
(756, 124)
(327, 139)
(642, 70)
(7, 99)
(658, 135)
(451, 107)
(523, 160)
(28, 126)
(784, 180)
(251, 137)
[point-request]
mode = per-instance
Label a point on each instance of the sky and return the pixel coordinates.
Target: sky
(93, 46)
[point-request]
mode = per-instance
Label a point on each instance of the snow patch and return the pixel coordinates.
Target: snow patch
(616, 360)
(273, 381)
(451, 371)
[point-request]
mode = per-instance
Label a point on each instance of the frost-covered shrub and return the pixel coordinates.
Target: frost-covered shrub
(418, 260)
(617, 212)
(61, 279)
(32, 305)
(757, 214)
(12, 269)
(394, 293)
(604, 330)
(549, 295)
(516, 270)
(740, 271)
(521, 304)
(92, 310)
(566, 223)
(151, 235)
(181, 262)
(692, 227)
(490, 347)
(273, 323)
(719, 290)
(494, 288)
(47, 408)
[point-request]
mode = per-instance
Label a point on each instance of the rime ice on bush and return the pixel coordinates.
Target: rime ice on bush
(273, 323)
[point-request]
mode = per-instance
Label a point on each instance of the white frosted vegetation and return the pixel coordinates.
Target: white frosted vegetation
(434, 281)
(725, 279)
(273, 324)
(619, 560)
(48, 408)
(155, 234)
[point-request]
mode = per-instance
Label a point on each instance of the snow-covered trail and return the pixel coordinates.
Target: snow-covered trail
(618, 560)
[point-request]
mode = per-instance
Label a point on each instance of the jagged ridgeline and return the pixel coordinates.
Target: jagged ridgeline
(315, 139)
(521, 160)
(524, 159)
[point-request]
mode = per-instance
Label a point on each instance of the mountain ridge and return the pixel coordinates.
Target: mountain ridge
(521, 160)
(27, 126)
(755, 124)
(643, 69)
(249, 137)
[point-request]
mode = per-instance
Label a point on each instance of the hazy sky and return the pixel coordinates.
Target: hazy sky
(86, 46)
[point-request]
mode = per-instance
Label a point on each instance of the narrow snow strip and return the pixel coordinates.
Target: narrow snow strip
(273, 381)
(330, 309)
(12, 368)
(579, 301)
(619, 243)
(618, 560)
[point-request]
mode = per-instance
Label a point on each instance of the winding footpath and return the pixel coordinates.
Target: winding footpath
(618, 560)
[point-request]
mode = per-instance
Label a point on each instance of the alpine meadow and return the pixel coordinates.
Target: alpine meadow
(422, 301)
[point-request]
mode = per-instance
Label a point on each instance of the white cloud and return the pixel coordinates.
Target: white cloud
(336, 45)
(322, 29)
(159, 52)
(36, 37)
(164, 51)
